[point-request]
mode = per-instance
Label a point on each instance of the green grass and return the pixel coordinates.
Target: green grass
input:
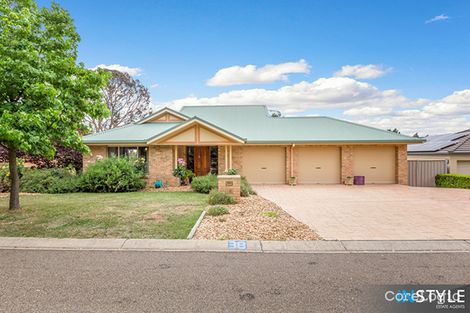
(169, 215)
(270, 214)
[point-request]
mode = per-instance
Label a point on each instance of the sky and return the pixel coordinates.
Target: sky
(387, 64)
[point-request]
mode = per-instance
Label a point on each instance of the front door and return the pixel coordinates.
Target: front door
(202, 160)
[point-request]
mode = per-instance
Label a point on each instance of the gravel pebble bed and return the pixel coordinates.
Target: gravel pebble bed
(250, 220)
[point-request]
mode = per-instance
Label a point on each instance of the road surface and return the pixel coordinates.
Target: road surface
(119, 281)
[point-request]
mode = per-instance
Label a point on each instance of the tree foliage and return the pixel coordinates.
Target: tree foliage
(44, 94)
(127, 99)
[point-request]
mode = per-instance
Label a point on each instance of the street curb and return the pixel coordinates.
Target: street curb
(196, 226)
(254, 246)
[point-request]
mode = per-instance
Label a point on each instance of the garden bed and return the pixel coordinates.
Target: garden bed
(254, 218)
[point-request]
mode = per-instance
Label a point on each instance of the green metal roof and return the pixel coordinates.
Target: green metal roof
(132, 133)
(253, 123)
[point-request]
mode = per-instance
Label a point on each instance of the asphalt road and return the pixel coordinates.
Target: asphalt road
(107, 281)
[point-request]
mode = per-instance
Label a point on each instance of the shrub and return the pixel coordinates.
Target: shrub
(204, 184)
(217, 197)
(231, 171)
(49, 180)
(453, 181)
(217, 210)
(245, 188)
(5, 175)
(112, 175)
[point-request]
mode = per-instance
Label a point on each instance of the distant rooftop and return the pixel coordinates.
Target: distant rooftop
(444, 143)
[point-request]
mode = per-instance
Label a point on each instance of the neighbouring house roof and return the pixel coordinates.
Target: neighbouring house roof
(253, 124)
(443, 144)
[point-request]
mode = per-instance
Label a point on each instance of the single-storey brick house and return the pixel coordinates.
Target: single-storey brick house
(265, 149)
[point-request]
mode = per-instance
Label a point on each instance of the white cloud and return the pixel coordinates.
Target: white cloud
(361, 102)
(360, 71)
(156, 85)
(133, 71)
(250, 74)
(437, 18)
(333, 92)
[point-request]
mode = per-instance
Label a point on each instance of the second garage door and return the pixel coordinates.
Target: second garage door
(376, 163)
(319, 165)
(264, 165)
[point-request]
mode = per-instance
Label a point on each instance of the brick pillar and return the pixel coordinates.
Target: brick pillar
(95, 153)
(161, 165)
(294, 153)
(229, 184)
(402, 165)
(346, 162)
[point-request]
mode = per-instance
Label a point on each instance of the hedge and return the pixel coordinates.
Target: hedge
(453, 181)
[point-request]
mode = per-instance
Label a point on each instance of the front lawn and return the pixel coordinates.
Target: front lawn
(169, 215)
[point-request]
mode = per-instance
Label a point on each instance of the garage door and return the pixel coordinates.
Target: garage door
(463, 167)
(377, 164)
(264, 165)
(319, 165)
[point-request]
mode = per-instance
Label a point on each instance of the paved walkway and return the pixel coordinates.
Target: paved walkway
(376, 212)
(289, 246)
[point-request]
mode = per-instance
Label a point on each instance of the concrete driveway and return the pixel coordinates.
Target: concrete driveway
(376, 212)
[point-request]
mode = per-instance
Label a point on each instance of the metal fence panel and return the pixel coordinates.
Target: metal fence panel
(422, 173)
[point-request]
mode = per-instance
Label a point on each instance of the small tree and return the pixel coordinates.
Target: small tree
(44, 93)
(127, 100)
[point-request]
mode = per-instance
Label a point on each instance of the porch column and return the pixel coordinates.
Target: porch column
(175, 153)
(230, 157)
(226, 158)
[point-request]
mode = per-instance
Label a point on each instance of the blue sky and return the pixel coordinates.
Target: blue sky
(180, 45)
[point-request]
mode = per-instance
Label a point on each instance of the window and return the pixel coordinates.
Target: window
(214, 160)
(113, 152)
(130, 152)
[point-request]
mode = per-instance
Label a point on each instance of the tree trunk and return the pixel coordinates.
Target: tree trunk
(14, 179)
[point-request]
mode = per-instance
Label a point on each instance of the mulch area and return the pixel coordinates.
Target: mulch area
(254, 218)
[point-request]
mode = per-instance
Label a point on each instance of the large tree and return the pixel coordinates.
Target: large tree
(44, 94)
(127, 100)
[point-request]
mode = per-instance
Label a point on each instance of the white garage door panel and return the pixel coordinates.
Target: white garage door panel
(264, 165)
(377, 164)
(319, 165)
(463, 167)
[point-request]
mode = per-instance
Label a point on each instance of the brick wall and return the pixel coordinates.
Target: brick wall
(95, 153)
(402, 164)
(161, 165)
(221, 159)
(237, 158)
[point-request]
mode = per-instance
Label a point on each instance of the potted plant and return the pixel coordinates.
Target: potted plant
(180, 171)
(293, 180)
(188, 176)
(349, 180)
